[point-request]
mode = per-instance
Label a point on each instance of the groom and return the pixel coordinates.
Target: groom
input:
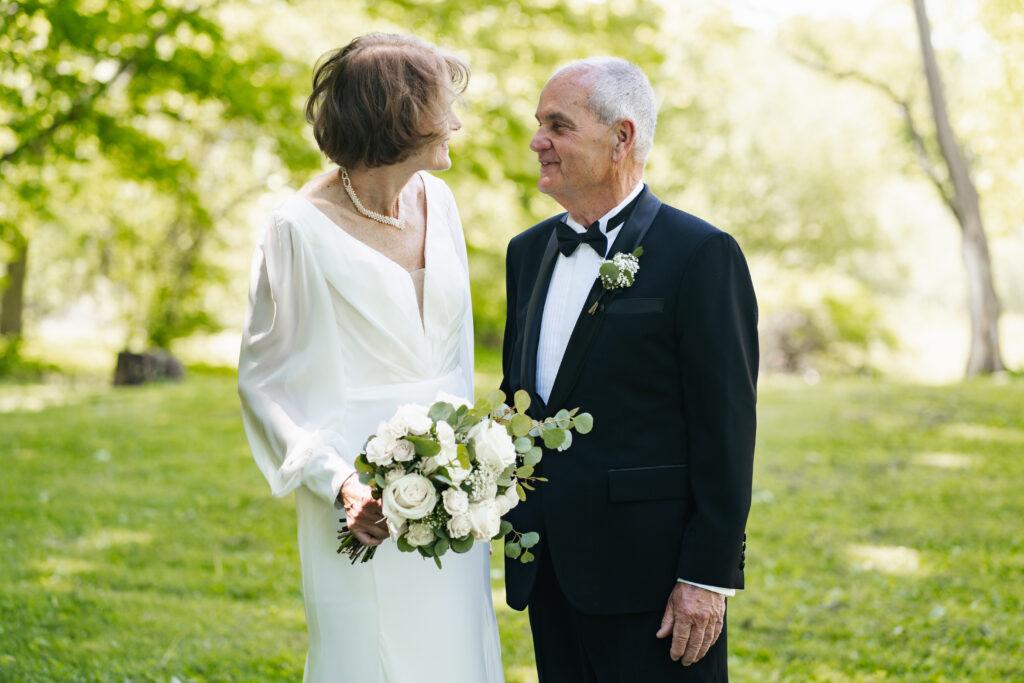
(642, 520)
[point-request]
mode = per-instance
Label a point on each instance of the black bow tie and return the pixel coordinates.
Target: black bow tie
(569, 239)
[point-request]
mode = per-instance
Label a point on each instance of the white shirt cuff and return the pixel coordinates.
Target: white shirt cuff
(729, 592)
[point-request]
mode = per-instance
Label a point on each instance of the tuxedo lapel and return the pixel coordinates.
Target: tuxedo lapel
(534, 311)
(587, 324)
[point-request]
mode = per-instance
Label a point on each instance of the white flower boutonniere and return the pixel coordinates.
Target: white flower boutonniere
(618, 272)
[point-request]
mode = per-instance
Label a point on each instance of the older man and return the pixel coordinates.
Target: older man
(642, 520)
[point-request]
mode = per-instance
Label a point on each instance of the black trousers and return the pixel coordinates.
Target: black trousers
(572, 647)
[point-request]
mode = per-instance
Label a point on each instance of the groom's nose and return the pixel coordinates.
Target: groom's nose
(540, 141)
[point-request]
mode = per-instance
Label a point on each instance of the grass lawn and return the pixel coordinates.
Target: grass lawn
(140, 542)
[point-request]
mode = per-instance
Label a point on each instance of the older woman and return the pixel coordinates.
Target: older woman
(359, 302)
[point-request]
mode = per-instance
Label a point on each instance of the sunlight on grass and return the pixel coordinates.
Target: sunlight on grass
(948, 461)
(897, 560)
(60, 571)
(108, 538)
(33, 398)
(980, 432)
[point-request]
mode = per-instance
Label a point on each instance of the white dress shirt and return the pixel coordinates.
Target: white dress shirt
(571, 281)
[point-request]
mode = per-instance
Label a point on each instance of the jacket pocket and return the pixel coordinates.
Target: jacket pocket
(662, 482)
(635, 306)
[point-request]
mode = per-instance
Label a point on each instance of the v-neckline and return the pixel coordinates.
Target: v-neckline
(387, 259)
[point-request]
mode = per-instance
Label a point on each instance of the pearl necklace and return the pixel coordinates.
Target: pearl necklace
(372, 215)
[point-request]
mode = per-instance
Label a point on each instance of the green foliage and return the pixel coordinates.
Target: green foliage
(158, 553)
(156, 104)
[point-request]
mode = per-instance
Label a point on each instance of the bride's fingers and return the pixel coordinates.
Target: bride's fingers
(366, 539)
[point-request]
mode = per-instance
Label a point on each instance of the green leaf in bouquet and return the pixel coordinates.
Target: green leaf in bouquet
(521, 425)
(496, 399)
(426, 550)
(441, 476)
(441, 547)
(535, 432)
(573, 412)
(425, 448)
(609, 270)
(638, 252)
(522, 401)
(520, 491)
(462, 545)
(527, 556)
(526, 485)
(525, 471)
(482, 406)
(512, 550)
(404, 545)
(568, 441)
(381, 481)
(533, 456)
(506, 527)
(441, 412)
(366, 477)
(363, 465)
(440, 531)
(504, 480)
(553, 438)
(523, 444)
(529, 539)
(583, 423)
(462, 454)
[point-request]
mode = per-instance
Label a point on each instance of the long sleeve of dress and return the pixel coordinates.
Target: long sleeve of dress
(466, 342)
(289, 373)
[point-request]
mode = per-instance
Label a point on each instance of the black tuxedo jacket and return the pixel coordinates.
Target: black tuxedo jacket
(660, 489)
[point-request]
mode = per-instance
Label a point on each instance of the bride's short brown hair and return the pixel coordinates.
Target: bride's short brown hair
(381, 98)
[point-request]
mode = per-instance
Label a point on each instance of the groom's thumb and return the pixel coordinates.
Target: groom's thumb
(667, 621)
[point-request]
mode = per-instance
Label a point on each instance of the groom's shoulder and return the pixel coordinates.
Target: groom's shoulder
(536, 235)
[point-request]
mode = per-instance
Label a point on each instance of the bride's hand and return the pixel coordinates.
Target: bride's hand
(363, 514)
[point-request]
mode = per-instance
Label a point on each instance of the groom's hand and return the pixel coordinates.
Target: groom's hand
(694, 618)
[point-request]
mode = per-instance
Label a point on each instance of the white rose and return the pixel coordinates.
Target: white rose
(456, 401)
(456, 502)
(379, 450)
(403, 450)
(411, 419)
(511, 496)
(459, 526)
(387, 431)
(484, 489)
(410, 497)
(393, 475)
(493, 445)
(419, 534)
(484, 519)
(446, 437)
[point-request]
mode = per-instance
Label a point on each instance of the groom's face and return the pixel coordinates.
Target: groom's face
(573, 147)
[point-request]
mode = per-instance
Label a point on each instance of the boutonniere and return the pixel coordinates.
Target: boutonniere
(618, 272)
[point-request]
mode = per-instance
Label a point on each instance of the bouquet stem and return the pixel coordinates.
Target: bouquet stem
(352, 546)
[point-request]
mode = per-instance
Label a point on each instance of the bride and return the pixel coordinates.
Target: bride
(359, 302)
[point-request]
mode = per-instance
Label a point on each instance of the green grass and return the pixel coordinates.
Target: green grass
(140, 542)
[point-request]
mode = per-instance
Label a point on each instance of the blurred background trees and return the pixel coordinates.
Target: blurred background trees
(141, 143)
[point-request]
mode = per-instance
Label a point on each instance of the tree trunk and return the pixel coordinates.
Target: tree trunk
(13, 301)
(983, 303)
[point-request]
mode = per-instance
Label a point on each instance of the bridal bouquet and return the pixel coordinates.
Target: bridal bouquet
(445, 474)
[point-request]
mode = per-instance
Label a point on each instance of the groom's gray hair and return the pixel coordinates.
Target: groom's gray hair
(620, 91)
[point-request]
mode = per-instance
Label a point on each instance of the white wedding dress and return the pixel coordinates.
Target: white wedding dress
(333, 342)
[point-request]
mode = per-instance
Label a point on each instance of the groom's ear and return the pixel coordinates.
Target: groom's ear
(625, 135)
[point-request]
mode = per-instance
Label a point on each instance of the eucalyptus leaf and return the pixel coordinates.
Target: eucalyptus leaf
(527, 556)
(568, 441)
(363, 465)
(512, 550)
(553, 438)
(496, 398)
(441, 412)
(524, 472)
(462, 545)
(533, 456)
(506, 527)
(583, 423)
(522, 401)
(523, 444)
(529, 539)
(609, 270)
(520, 492)
(441, 547)
(521, 425)
(425, 448)
(404, 545)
